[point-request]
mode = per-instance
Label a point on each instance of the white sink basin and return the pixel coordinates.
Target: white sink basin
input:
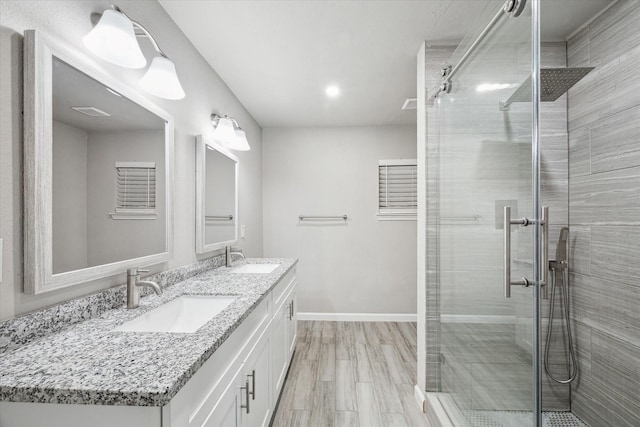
(185, 314)
(255, 268)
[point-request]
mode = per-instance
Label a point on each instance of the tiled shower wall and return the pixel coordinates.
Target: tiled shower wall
(604, 216)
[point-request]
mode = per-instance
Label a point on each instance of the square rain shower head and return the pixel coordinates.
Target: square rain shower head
(553, 83)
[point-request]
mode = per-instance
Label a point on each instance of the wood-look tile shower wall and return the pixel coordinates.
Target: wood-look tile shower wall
(604, 214)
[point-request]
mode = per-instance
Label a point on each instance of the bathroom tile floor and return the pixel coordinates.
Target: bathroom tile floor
(352, 374)
(520, 418)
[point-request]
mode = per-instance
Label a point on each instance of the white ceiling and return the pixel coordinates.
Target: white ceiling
(279, 56)
(73, 88)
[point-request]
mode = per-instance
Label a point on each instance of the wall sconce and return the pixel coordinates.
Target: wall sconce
(114, 40)
(228, 133)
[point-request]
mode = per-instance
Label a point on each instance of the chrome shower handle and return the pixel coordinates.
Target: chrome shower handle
(508, 222)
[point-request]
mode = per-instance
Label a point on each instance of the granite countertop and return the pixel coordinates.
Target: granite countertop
(89, 363)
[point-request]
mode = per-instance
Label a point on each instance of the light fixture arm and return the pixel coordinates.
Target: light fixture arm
(145, 33)
(215, 119)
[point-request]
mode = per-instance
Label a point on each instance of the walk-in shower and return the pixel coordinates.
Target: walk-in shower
(531, 154)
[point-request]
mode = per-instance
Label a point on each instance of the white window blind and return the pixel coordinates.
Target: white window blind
(398, 188)
(135, 187)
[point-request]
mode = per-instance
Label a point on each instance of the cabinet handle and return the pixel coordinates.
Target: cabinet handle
(291, 311)
(246, 395)
(253, 381)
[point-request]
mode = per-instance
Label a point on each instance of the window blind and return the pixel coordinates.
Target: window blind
(135, 186)
(397, 187)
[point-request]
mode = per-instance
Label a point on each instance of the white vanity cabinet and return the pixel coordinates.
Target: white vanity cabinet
(283, 332)
(292, 326)
(263, 344)
(257, 376)
(251, 364)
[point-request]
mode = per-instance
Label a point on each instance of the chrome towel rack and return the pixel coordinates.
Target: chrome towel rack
(462, 218)
(219, 217)
(323, 218)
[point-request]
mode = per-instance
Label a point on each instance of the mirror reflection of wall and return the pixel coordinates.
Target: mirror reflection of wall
(94, 128)
(220, 197)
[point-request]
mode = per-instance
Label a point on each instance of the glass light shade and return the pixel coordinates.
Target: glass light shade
(240, 142)
(161, 79)
(114, 40)
(224, 133)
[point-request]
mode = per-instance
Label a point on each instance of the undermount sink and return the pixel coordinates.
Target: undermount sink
(255, 268)
(185, 314)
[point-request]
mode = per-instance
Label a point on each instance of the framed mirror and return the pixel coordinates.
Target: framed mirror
(216, 196)
(98, 166)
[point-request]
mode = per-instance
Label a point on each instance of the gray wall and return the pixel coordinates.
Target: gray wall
(67, 22)
(361, 266)
(219, 197)
(70, 206)
(111, 240)
(604, 213)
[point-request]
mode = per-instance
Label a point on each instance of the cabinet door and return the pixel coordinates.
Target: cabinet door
(226, 412)
(258, 373)
(292, 328)
(279, 348)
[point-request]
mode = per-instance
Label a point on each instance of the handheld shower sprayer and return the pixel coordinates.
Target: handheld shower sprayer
(561, 266)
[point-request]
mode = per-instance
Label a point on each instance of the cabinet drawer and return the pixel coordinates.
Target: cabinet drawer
(282, 287)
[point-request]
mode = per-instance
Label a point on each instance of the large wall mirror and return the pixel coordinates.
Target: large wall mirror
(216, 196)
(98, 168)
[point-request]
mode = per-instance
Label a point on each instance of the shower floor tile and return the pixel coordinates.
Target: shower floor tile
(520, 418)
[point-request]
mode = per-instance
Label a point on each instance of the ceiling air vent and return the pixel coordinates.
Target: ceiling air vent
(410, 104)
(91, 111)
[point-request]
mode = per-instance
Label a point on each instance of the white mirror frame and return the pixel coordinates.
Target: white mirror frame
(201, 156)
(38, 168)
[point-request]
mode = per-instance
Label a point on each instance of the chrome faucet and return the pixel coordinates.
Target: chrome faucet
(133, 282)
(229, 255)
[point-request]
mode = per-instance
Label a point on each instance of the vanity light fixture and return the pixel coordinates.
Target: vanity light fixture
(114, 40)
(229, 133)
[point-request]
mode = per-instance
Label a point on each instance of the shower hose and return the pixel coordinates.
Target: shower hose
(564, 296)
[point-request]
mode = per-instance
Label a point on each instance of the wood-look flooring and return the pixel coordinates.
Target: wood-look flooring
(352, 374)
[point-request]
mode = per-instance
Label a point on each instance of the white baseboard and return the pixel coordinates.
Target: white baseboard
(420, 398)
(359, 317)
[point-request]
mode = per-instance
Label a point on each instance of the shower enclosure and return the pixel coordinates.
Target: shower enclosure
(497, 222)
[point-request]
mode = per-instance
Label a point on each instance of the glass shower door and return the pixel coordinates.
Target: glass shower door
(485, 164)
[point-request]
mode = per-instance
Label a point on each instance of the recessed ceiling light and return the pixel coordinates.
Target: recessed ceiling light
(332, 91)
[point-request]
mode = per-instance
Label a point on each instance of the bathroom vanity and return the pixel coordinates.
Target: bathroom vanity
(228, 372)
(213, 349)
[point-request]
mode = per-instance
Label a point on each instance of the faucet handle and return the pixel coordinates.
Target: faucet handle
(135, 271)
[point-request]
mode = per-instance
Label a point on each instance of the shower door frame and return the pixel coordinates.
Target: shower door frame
(427, 380)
